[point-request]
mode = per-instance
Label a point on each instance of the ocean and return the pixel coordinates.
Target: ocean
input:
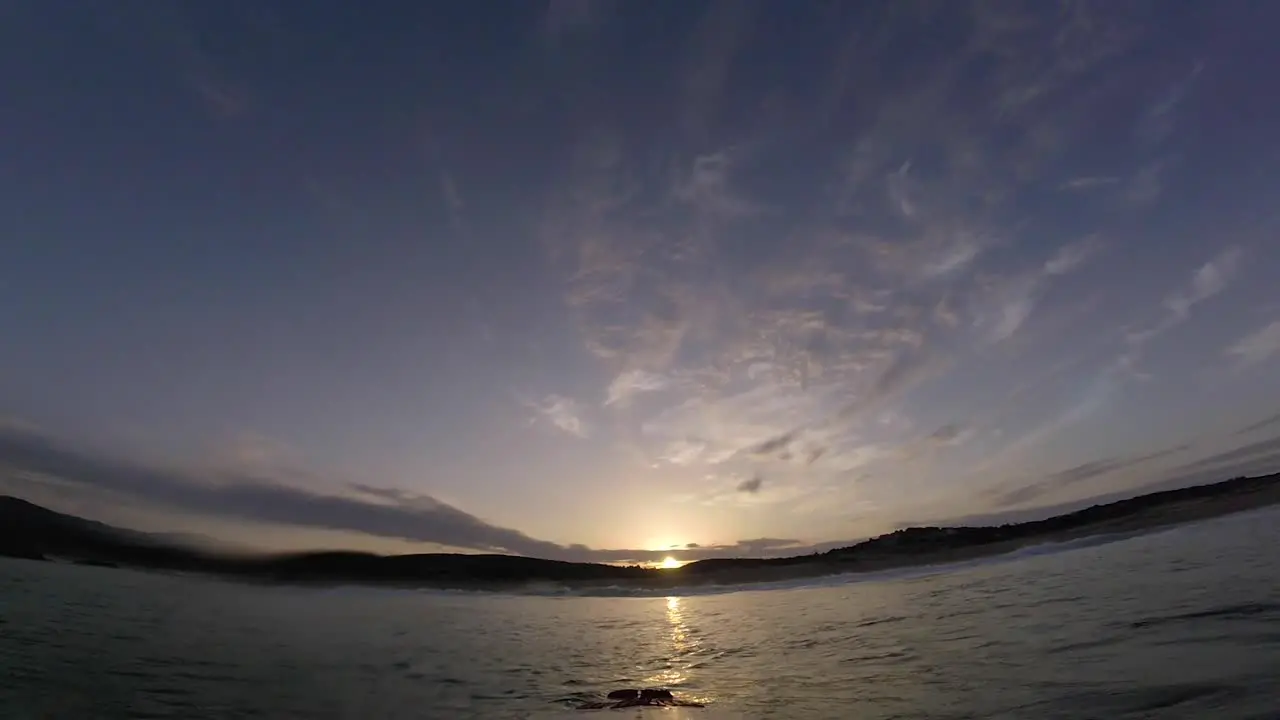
(1182, 623)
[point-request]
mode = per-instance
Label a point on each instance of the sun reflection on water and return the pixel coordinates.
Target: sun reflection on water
(682, 651)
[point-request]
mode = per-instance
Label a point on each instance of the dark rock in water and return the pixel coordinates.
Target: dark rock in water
(631, 697)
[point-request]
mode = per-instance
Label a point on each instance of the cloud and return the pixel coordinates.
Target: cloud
(950, 434)
(1089, 183)
(1013, 301)
(390, 513)
(1146, 184)
(751, 485)
(796, 280)
(1251, 466)
(761, 546)
(1223, 461)
(1261, 424)
(762, 421)
(240, 497)
(1206, 282)
(938, 253)
(452, 198)
(795, 301)
(563, 412)
(685, 451)
(908, 367)
(1081, 473)
(630, 383)
(1172, 480)
(945, 315)
(1014, 307)
(1157, 123)
(1071, 256)
(706, 187)
(254, 453)
(899, 190)
(773, 422)
(1091, 397)
(777, 445)
(1256, 347)
(395, 495)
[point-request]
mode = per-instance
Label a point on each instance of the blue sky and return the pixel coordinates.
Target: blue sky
(592, 279)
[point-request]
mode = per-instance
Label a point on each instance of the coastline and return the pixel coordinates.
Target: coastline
(35, 533)
(1158, 518)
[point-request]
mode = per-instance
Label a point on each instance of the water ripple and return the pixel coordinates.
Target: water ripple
(1177, 627)
(1225, 612)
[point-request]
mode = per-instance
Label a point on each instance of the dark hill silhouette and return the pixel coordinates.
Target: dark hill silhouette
(33, 532)
(30, 531)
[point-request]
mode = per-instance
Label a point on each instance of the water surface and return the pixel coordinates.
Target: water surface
(1183, 623)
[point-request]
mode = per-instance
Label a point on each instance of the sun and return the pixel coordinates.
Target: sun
(669, 563)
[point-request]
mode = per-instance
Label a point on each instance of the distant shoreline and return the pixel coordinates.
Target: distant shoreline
(32, 532)
(1193, 511)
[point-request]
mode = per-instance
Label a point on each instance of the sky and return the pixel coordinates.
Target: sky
(609, 281)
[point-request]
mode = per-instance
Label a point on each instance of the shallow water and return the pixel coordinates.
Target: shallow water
(1179, 624)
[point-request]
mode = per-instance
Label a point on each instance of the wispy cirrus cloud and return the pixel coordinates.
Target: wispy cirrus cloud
(739, 491)
(1251, 455)
(798, 350)
(707, 188)
(1013, 303)
(1209, 280)
(817, 266)
(947, 437)
(1013, 300)
(631, 383)
(715, 429)
(1256, 348)
(1089, 397)
(1157, 123)
(950, 434)
(1081, 473)
(1089, 183)
(255, 498)
(793, 313)
(30, 459)
(562, 412)
(1259, 425)
(1071, 256)
(452, 198)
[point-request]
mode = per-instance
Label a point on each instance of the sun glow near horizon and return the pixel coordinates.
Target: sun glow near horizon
(670, 563)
